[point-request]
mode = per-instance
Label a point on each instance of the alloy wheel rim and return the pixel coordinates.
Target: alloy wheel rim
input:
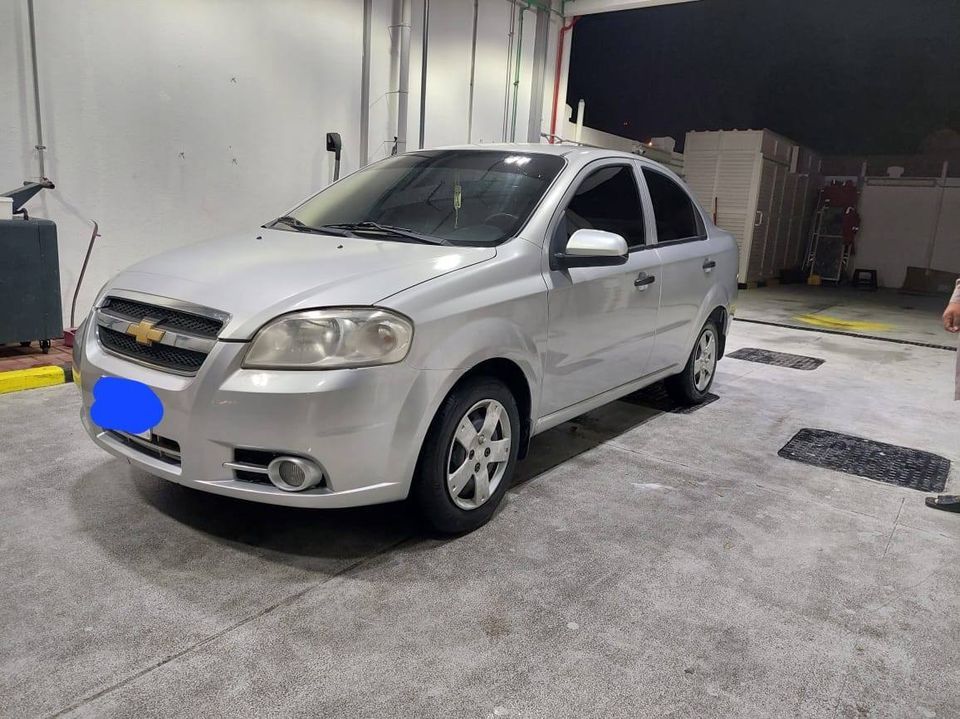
(705, 360)
(478, 454)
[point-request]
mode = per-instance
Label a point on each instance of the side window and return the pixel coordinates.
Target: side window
(675, 215)
(607, 199)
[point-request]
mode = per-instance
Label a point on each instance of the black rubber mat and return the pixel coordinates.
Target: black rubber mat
(888, 463)
(655, 397)
(777, 359)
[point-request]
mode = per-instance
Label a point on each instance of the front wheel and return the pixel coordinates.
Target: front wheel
(468, 457)
(692, 385)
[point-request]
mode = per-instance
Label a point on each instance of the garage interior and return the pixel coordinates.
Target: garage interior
(648, 561)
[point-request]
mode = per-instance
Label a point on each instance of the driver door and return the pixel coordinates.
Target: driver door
(601, 320)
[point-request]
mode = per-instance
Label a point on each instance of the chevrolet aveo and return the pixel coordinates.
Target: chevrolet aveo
(406, 331)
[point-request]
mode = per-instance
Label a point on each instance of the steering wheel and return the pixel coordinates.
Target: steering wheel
(503, 220)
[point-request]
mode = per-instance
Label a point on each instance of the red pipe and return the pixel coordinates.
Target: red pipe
(556, 79)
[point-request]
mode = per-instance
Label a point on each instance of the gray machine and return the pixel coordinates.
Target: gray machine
(29, 274)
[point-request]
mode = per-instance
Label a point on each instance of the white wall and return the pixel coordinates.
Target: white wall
(448, 72)
(171, 121)
(946, 245)
(908, 223)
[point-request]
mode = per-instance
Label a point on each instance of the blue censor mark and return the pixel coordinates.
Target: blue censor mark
(125, 405)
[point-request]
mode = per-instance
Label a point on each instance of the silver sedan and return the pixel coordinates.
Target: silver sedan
(407, 330)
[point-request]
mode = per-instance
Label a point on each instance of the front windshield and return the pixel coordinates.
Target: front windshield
(466, 197)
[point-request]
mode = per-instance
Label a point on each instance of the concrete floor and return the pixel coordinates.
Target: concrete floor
(911, 318)
(648, 565)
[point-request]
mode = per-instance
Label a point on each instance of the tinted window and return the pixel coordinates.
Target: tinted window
(607, 199)
(470, 197)
(672, 208)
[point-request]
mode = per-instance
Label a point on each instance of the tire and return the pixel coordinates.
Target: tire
(446, 490)
(690, 387)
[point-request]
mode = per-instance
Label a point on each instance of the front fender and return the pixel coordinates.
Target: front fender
(448, 361)
(494, 310)
(482, 339)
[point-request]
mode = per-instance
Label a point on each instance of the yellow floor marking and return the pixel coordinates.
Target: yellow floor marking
(835, 323)
(18, 379)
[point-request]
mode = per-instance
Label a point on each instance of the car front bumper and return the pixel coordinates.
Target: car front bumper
(364, 427)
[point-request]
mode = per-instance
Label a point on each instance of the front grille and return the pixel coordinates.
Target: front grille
(163, 356)
(167, 319)
(158, 447)
(179, 335)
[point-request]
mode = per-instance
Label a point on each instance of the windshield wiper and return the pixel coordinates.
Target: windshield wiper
(300, 226)
(387, 229)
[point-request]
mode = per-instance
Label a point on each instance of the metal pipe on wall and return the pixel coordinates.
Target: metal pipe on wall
(365, 86)
(516, 78)
(581, 111)
(541, 42)
(423, 69)
(556, 78)
(403, 91)
(398, 94)
(506, 82)
(473, 70)
(39, 147)
(542, 4)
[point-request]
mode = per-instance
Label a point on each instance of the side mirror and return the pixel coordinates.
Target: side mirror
(593, 248)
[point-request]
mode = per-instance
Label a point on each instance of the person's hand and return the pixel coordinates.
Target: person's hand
(951, 318)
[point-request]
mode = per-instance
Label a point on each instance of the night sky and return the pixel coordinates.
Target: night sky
(841, 76)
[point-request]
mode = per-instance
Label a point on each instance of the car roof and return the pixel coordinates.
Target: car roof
(580, 151)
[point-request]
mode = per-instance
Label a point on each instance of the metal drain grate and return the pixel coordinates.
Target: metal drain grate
(888, 463)
(778, 359)
(655, 397)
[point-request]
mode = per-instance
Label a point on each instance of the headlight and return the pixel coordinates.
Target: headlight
(330, 339)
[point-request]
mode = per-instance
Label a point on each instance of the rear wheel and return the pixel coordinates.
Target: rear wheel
(468, 457)
(692, 385)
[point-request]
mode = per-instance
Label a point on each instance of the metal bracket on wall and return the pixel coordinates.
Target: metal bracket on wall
(21, 195)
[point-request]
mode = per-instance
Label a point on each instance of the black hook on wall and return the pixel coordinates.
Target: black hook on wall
(334, 145)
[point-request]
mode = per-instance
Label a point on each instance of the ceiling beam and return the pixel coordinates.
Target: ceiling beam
(591, 7)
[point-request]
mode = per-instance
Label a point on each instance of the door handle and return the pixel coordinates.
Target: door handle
(643, 281)
(759, 218)
(708, 265)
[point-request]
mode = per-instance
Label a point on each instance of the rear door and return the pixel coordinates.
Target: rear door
(602, 320)
(686, 273)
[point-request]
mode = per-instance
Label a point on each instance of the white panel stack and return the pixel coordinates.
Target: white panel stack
(756, 183)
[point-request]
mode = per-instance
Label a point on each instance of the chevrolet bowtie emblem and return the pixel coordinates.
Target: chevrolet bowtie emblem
(144, 333)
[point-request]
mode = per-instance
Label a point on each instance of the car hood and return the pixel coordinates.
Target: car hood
(257, 276)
